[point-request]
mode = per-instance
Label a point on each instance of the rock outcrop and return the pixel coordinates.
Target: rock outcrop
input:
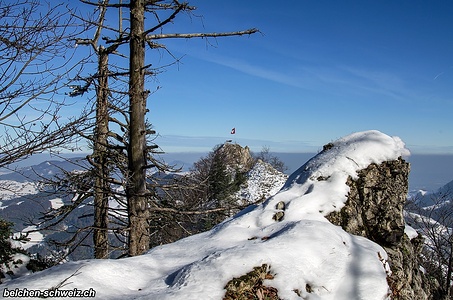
(374, 209)
(258, 180)
(235, 156)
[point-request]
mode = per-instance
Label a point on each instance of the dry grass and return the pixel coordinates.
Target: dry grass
(250, 286)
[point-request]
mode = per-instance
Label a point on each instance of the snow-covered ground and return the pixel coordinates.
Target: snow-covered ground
(56, 203)
(35, 238)
(262, 182)
(10, 189)
(309, 257)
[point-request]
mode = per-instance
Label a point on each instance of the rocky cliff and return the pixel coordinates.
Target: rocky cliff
(374, 209)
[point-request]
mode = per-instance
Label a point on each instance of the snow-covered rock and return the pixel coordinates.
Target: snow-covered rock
(262, 181)
(309, 257)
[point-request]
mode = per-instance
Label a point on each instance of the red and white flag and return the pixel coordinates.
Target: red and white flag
(233, 131)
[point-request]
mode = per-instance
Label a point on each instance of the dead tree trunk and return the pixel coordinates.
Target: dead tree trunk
(136, 190)
(101, 188)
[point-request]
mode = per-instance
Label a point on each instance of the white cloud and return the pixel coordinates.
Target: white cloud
(320, 77)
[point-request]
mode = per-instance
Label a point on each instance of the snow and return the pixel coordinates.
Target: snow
(303, 249)
(10, 189)
(262, 182)
(422, 192)
(19, 267)
(56, 203)
(35, 238)
(410, 232)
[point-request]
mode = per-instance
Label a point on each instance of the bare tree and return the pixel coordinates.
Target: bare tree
(37, 64)
(100, 157)
(435, 223)
(266, 156)
(35, 58)
(138, 195)
(131, 149)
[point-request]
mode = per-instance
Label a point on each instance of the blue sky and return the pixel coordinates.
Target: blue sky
(318, 70)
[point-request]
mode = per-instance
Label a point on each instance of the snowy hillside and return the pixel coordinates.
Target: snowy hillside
(24, 198)
(308, 257)
(11, 189)
(46, 169)
(425, 199)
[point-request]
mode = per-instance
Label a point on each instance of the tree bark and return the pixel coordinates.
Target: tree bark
(136, 191)
(101, 188)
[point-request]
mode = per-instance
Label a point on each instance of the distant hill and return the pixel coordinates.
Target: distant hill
(24, 200)
(425, 199)
(46, 169)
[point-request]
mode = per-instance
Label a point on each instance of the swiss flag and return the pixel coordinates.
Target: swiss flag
(233, 131)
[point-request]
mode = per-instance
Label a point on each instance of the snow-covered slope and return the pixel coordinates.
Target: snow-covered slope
(262, 182)
(10, 189)
(309, 257)
(426, 199)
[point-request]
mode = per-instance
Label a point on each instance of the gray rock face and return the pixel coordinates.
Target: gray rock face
(374, 209)
(236, 156)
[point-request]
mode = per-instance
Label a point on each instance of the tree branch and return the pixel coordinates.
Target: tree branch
(199, 35)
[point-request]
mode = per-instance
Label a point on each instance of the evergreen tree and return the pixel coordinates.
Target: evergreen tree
(8, 262)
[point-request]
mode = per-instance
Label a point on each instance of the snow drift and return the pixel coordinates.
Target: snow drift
(309, 257)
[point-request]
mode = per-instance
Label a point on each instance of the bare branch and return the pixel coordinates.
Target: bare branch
(200, 35)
